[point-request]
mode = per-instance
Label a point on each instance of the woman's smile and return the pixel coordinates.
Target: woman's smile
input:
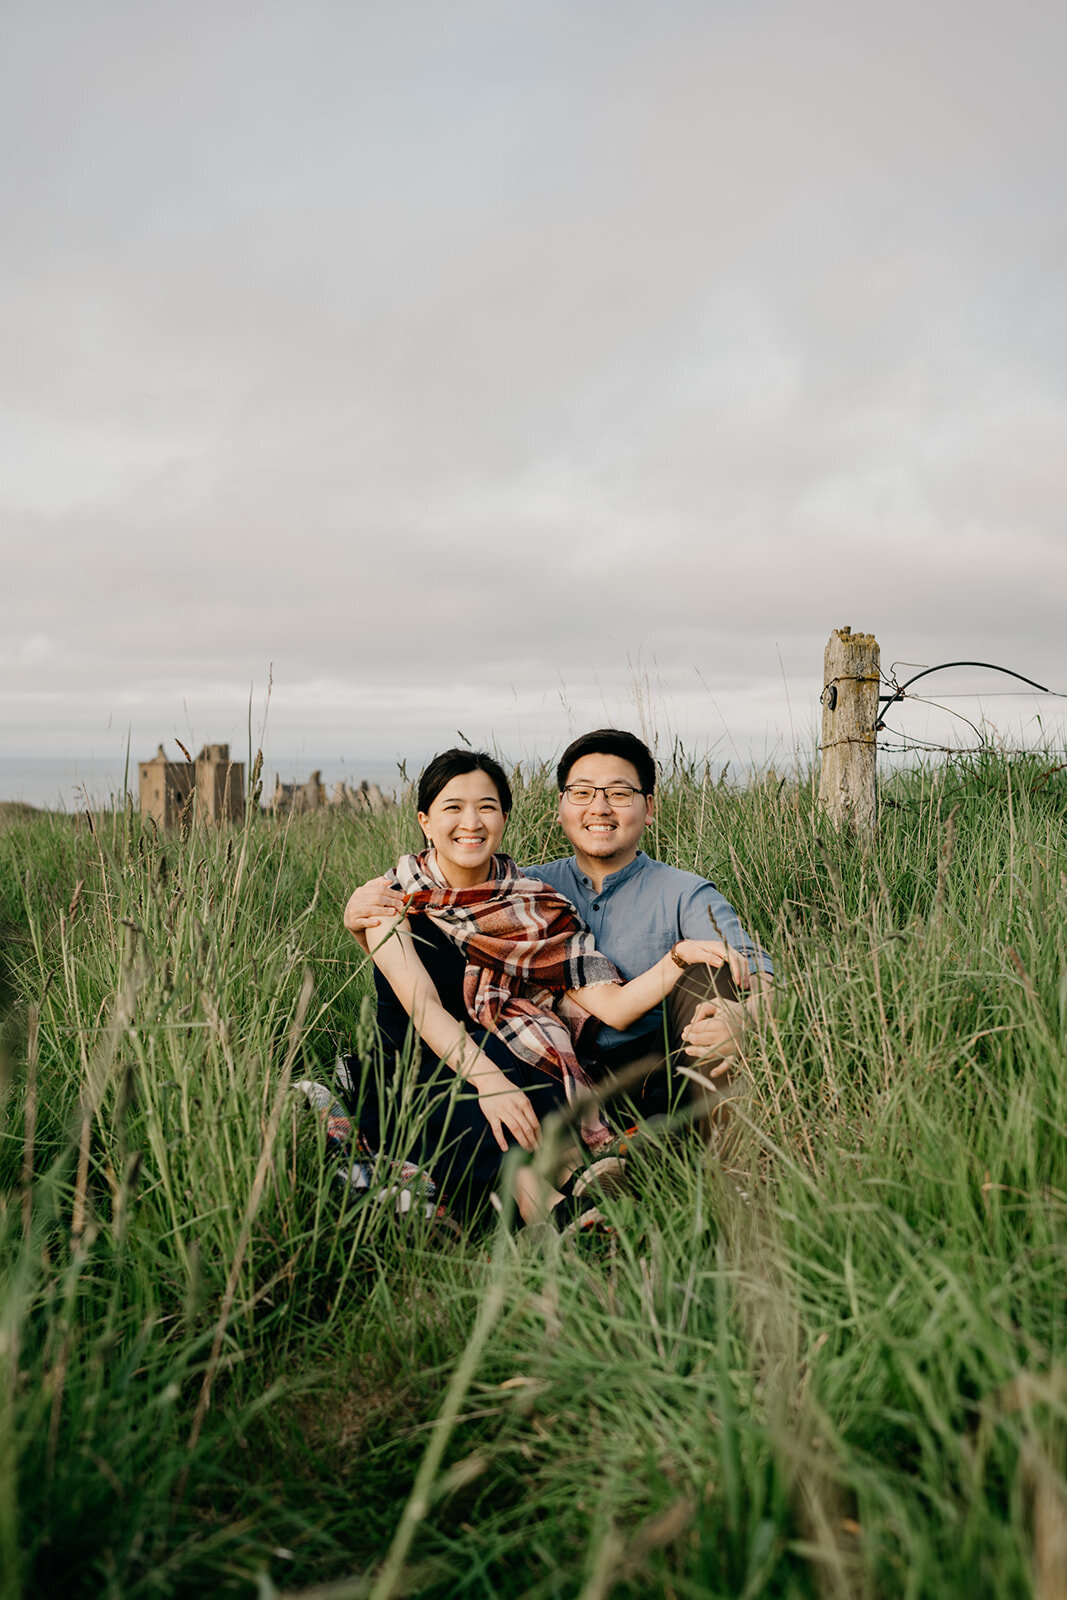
(465, 825)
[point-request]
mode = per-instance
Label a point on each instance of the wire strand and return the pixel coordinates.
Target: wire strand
(899, 690)
(989, 666)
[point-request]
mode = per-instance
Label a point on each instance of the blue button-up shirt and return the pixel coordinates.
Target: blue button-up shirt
(639, 912)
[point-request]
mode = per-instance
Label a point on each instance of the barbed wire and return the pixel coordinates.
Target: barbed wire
(986, 746)
(923, 748)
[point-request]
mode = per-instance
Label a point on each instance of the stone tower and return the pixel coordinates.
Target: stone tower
(220, 785)
(212, 787)
(165, 788)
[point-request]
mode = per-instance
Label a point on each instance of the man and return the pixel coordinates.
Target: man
(637, 909)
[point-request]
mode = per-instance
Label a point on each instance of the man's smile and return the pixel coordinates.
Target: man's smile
(605, 836)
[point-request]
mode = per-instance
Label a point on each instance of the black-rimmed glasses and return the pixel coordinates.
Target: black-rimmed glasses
(616, 794)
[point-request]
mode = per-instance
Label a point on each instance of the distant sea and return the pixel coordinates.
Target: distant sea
(59, 783)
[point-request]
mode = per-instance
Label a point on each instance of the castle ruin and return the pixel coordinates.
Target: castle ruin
(294, 799)
(211, 788)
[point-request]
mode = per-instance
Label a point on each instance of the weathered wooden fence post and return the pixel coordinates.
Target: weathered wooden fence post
(847, 782)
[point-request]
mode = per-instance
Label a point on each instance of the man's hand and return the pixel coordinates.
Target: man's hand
(716, 1029)
(370, 903)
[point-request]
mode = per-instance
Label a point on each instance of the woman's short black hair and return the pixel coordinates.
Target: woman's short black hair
(610, 742)
(453, 764)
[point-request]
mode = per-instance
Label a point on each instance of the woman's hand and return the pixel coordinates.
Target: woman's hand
(504, 1106)
(713, 953)
(620, 1004)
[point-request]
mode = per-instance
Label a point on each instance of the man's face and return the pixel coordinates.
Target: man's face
(601, 832)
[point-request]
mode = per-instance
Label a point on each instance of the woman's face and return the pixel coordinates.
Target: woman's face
(465, 825)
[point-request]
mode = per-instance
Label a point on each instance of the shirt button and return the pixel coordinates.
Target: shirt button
(597, 906)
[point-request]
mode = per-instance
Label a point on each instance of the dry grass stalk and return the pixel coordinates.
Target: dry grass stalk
(620, 1561)
(254, 1199)
(100, 1067)
(1049, 1498)
(30, 1119)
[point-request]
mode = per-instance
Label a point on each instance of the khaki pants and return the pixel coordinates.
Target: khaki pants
(646, 1069)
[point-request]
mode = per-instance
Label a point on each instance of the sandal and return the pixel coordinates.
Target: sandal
(575, 1217)
(604, 1178)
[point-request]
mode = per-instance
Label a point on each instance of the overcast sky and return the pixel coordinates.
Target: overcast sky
(512, 366)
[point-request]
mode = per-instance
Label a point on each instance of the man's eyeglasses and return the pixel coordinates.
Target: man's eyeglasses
(616, 794)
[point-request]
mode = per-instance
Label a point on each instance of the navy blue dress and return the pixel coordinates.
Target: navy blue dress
(414, 1107)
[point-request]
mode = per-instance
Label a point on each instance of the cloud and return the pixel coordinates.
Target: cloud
(504, 356)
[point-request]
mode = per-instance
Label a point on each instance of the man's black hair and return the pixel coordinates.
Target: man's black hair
(453, 764)
(610, 742)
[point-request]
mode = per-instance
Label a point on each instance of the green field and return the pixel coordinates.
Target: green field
(829, 1360)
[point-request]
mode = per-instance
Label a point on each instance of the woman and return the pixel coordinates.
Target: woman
(500, 979)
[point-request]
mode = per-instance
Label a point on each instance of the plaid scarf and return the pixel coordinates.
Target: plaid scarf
(525, 945)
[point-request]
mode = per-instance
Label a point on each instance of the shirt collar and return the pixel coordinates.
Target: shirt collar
(613, 879)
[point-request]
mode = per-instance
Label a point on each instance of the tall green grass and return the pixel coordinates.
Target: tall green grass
(826, 1358)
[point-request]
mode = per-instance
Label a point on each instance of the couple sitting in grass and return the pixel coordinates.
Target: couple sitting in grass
(536, 985)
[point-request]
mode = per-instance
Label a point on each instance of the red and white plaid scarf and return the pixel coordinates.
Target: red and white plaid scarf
(524, 945)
